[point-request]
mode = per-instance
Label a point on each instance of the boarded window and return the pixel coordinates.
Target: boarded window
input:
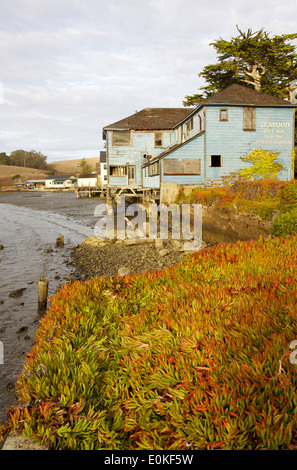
(182, 166)
(249, 118)
(223, 114)
(120, 138)
(158, 139)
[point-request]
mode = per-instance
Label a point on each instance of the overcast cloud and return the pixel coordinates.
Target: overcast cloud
(70, 67)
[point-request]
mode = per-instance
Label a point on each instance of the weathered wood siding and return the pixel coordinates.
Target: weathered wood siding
(150, 181)
(141, 143)
(229, 139)
(180, 134)
(193, 150)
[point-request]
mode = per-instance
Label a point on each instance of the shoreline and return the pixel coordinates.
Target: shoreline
(109, 258)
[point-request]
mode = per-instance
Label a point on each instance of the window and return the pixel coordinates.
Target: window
(249, 118)
(158, 139)
(223, 114)
(118, 171)
(154, 169)
(189, 126)
(182, 166)
(216, 161)
(120, 138)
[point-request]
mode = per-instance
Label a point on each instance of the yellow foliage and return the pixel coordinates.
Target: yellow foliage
(264, 165)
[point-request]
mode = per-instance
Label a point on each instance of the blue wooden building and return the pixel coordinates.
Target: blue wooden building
(137, 139)
(208, 143)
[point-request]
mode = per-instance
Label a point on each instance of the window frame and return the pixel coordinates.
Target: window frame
(189, 126)
(216, 166)
(123, 132)
(122, 168)
(249, 122)
(154, 169)
(160, 139)
(224, 119)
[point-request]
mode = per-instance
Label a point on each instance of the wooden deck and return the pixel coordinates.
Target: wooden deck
(113, 192)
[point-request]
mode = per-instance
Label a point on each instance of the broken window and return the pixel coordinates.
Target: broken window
(223, 114)
(118, 171)
(120, 138)
(158, 139)
(154, 169)
(189, 126)
(216, 161)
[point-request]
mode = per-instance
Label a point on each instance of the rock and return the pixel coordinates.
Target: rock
(22, 329)
(123, 271)
(10, 387)
(138, 241)
(17, 293)
(1, 302)
(59, 242)
(1, 247)
(163, 252)
(16, 441)
(176, 245)
(49, 250)
(159, 244)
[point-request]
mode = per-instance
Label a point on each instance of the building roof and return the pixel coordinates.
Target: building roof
(151, 119)
(241, 95)
(59, 177)
(88, 175)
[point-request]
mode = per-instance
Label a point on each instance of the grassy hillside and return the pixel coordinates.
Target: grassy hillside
(7, 172)
(72, 166)
(62, 167)
(196, 356)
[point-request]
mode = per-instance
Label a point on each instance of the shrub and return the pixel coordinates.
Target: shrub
(264, 165)
(285, 224)
(288, 197)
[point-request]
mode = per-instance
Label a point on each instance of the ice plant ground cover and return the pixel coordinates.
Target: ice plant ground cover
(261, 197)
(196, 356)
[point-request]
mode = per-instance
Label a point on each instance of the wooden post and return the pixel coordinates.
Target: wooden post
(59, 241)
(42, 294)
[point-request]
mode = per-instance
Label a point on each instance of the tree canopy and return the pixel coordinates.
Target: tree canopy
(85, 167)
(254, 59)
(31, 159)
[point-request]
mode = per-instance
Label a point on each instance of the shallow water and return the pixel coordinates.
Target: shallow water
(30, 223)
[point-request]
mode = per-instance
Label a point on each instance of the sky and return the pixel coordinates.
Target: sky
(68, 68)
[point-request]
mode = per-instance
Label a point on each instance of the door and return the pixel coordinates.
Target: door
(131, 175)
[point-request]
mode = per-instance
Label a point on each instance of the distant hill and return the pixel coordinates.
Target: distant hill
(67, 167)
(64, 167)
(7, 173)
